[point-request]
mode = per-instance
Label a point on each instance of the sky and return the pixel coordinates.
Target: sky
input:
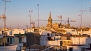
(17, 12)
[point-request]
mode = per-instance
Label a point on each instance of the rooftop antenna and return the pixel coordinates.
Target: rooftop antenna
(27, 28)
(30, 17)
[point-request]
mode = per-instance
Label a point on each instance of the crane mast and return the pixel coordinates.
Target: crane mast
(4, 19)
(4, 15)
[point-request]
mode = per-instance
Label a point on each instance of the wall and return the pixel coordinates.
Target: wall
(1, 36)
(32, 38)
(8, 48)
(76, 40)
(75, 48)
(88, 40)
(56, 42)
(16, 40)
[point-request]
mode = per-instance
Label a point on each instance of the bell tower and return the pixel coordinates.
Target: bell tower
(49, 21)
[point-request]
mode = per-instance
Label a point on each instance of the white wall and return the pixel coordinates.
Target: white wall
(44, 32)
(56, 42)
(1, 36)
(17, 31)
(75, 48)
(8, 48)
(88, 41)
(16, 40)
(18, 46)
(43, 40)
(24, 40)
(76, 40)
(70, 30)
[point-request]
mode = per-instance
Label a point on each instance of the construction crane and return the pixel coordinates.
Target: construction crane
(50, 21)
(4, 19)
(4, 15)
(60, 17)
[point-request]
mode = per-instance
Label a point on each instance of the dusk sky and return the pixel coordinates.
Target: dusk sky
(17, 12)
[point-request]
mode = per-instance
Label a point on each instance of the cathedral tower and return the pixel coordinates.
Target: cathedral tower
(49, 21)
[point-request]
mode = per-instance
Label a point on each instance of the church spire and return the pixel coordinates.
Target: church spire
(50, 14)
(49, 21)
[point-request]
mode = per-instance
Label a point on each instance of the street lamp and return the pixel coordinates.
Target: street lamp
(38, 15)
(81, 24)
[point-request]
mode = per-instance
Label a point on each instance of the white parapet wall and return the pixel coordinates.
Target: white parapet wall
(56, 42)
(8, 48)
(79, 40)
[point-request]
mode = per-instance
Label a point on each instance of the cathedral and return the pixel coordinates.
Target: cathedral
(50, 23)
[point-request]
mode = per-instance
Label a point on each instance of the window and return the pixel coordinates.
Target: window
(48, 34)
(73, 30)
(10, 40)
(82, 49)
(20, 40)
(61, 42)
(70, 49)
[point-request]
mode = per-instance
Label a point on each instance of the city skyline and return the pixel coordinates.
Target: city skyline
(17, 12)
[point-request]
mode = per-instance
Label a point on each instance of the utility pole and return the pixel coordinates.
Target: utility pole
(30, 18)
(38, 15)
